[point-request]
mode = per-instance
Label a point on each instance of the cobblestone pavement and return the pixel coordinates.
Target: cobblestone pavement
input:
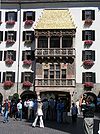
(24, 127)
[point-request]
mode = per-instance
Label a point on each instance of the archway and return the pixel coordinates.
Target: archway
(1, 98)
(28, 95)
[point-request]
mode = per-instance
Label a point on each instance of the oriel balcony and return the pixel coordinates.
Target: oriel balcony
(55, 82)
(54, 52)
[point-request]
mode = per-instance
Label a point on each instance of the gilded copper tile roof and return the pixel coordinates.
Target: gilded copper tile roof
(55, 19)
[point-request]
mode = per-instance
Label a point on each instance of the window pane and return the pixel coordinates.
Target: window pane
(42, 42)
(51, 67)
(66, 42)
(88, 77)
(57, 74)
(87, 14)
(51, 74)
(28, 15)
(55, 42)
(57, 67)
(45, 73)
(63, 73)
(88, 35)
(11, 16)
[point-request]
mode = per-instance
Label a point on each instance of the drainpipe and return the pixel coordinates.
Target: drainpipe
(19, 45)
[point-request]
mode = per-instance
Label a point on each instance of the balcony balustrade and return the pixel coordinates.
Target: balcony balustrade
(54, 52)
(55, 82)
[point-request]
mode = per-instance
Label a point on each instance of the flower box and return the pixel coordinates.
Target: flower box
(89, 84)
(10, 41)
(10, 22)
(88, 42)
(88, 62)
(27, 84)
(88, 22)
(27, 62)
(8, 84)
(9, 61)
(28, 22)
(28, 41)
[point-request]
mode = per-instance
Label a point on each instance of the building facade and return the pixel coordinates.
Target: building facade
(50, 48)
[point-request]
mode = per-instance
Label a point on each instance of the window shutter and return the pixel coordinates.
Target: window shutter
(14, 55)
(93, 14)
(1, 35)
(0, 55)
(93, 55)
(31, 78)
(5, 35)
(14, 35)
(0, 77)
(0, 15)
(83, 78)
(32, 35)
(6, 16)
(93, 78)
(24, 16)
(83, 35)
(83, 55)
(93, 35)
(83, 14)
(22, 77)
(3, 77)
(5, 53)
(23, 55)
(13, 77)
(32, 54)
(15, 16)
(33, 16)
(23, 35)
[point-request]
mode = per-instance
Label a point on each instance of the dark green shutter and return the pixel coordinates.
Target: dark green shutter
(6, 35)
(93, 14)
(23, 55)
(13, 77)
(24, 16)
(33, 16)
(31, 77)
(3, 77)
(93, 78)
(6, 16)
(14, 35)
(0, 55)
(5, 53)
(15, 16)
(23, 35)
(83, 78)
(0, 77)
(22, 77)
(93, 55)
(93, 35)
(14, 55)
(0, 15)
(83, 14)
(83, 55)
(83, 35)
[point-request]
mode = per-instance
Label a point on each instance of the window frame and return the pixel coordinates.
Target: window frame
(85, 55)
(10, 35)
(92, 14)
(86, 76)
(88, 35)
(25, 15)
(14, 17)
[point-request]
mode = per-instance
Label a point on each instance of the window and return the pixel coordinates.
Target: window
(88, 35)
(9, 76)
(88, 55)
(66, 42)
(1, 36)
(55, 42)
(10, 35)
(28, 35)
(10, 54)
(0, 55)
(46, 73)
(11, 16)
(27, 55)
(29, 15)
(27, 76)
(88, 14)
(42, 42)
(88, 77)
(63, 73)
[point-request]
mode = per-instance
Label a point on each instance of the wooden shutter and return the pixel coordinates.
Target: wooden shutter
(93, 35)
(83, 14)
(83, 35)
(6, 16)
(83, 78)
(3, 77)
(83, 55)
(32, 54)
(23, 55)
(93, 55)
(31, 77)
(33, 16)
(14, 55)
(14, 35)
(22, 77)
(13, 77)
(93, 14)
(23, 35)
(24, 16)
(1, 35)
(5, 53)
(15, 16)
(93, 78)
(0, 55)
(0, 77)
(0, 15)
(6, 35)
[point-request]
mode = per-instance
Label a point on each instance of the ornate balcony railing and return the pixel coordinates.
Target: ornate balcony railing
(54, 52)
(55, 82)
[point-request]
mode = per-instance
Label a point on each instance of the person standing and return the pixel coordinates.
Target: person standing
(6, 107)
(19, 108)
(74, 112)
(39, 114)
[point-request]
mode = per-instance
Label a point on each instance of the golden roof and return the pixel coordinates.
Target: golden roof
(55, 19)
